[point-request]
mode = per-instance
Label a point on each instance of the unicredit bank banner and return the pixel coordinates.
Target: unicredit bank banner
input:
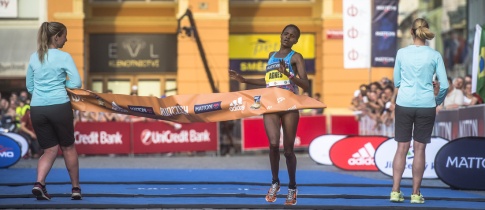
(385, 155)
(356, 153)
(158, 137)
(102, 137)
(461, 163)
(254, 135)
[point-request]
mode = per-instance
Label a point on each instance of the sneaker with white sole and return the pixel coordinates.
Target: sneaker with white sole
(76, 193)
(417, 198)
(291, 197)
(272, 192)
(397, 197)
(40, 192)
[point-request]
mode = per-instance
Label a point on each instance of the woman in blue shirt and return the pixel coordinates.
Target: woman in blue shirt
(285, 69)
(51, 111)
(415, 105)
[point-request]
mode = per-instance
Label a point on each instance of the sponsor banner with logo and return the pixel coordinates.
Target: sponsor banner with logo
(254, 135)
(10, 152)
(102, 137)
(384, 32)
(249, 53)
(356, 153)
(385, 155)
(357, 33)
(157, 137)
(319, 149)
(446, 124)
(461, 163)
(213, 107)
(133, 53)
(471, 121)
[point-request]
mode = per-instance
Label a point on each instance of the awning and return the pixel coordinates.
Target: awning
(15, 49)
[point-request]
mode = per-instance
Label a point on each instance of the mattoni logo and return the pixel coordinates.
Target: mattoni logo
(461, 163)
(356, 152)
(364, 156)
(210, 107)
(236, 105)
(142, 109)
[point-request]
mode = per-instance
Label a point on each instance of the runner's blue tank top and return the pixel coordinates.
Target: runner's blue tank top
(276, 79)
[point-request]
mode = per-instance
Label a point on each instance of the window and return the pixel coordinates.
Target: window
(149, 88)
(120, 86)
(97, 86)
(170, 87)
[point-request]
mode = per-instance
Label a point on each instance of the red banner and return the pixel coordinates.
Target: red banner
(356, 153)
(254, 136)
(158, 137)
(102, 137)
(344, 125)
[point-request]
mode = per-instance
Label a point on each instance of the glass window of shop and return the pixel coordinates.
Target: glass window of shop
(170, 87)
(120, 86)
(149, 88)
(20, 9)
(97, 86)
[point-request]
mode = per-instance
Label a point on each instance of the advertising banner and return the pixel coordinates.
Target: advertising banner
(356, 153)
(254, 135)
(24, 145)
(385, 155)
(133, 53)
(159, 137)
(213, 107)
(446, 124)
(357, 33)
(319, 149)
(344, 125)
(384, 32)
(471, 121)
(98, 138)
(461, 163)
(249, 53)
(9, 151)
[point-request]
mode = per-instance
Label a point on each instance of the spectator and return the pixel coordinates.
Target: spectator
(27, 131)
(469, 99)
(454, 98)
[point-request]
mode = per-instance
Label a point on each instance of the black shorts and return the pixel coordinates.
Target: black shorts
(53, 124)
(421, 119)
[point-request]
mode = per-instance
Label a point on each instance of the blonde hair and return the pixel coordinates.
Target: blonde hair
(421, 29)
(46, 31)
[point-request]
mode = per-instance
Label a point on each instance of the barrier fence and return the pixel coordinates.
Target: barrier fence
(449, 124)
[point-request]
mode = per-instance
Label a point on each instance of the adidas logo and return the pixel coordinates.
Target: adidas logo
(236, 105)
(364, 156)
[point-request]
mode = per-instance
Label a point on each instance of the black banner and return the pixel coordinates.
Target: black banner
(133, 53)
(384, 33)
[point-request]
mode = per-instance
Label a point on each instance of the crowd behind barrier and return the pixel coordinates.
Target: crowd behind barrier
(373, 104)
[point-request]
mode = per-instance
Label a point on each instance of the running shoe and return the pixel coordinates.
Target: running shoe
(40, 192)
(76, 194)
(417, 198)
(291, 197)
(397, 197)
(272, 192)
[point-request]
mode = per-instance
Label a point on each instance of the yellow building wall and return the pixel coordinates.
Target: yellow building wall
(212, 22)
(71, 14)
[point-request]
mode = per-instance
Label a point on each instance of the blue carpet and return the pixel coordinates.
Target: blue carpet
(156, 188)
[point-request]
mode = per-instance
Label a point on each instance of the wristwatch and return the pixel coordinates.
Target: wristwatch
(291, 75)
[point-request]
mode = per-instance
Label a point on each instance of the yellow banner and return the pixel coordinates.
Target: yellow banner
(212, 107)
(258, 46)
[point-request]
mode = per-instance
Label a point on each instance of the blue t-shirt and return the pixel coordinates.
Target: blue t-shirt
(47, 81)
(413, 75)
